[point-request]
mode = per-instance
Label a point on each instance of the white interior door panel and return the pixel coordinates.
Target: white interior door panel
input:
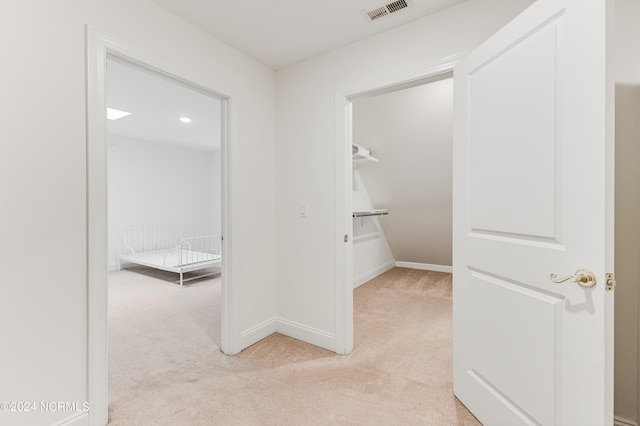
(532, 167)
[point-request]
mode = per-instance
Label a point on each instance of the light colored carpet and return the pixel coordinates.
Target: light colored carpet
(166, 367)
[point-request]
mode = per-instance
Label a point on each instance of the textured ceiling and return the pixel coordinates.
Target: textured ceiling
(280, 33)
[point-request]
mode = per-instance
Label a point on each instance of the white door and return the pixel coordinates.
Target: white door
(533, 156)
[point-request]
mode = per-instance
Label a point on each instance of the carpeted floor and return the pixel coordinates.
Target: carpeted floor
(166, 367)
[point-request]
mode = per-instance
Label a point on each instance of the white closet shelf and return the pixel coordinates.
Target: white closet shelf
(373, 212)
(362, 153)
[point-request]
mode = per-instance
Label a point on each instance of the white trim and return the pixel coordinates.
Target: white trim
(620, 421)
(97, 379)
(305, 333)
(374, 273)
(78, 419)
(342, 190)
(99, 46)
(288, 328)
(419, 75)
(343, 227)
(425, 266)
(229, 344)
(258, 332)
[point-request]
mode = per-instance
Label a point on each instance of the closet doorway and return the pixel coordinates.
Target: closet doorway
(401, 190)
(346, 147)
(401, 182)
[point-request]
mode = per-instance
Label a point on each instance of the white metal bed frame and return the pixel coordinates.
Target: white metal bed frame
(162, 246)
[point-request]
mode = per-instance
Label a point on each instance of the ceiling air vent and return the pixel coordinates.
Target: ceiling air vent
(386, 10)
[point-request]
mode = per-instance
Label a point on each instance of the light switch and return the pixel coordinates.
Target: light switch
(304, 210)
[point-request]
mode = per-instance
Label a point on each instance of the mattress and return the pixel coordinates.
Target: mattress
(167, 260)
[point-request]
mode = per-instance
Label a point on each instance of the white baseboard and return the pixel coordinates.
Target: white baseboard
(292, 329)
(425, 266)
(620, 421)
(77, 419)
(119, 266)
(307, 334)
(357, 282)
(257, 332)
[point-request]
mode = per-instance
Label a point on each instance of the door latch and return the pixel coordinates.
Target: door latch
(611, 282)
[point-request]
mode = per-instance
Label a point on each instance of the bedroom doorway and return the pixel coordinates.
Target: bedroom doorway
(145, 154)
(164, 173)
(164, 186)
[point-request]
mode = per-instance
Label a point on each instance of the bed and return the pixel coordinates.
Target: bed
(162, 246)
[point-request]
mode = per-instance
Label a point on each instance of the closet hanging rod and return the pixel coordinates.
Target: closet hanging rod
(373, 212)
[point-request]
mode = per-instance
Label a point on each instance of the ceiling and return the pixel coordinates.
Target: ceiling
(280, 33)
(277, 33)
(156, 104)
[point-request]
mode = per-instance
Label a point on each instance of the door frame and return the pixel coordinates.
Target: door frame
(100, 47)
(343, 232)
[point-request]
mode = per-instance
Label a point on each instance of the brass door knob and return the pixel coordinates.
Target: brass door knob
(582, 277)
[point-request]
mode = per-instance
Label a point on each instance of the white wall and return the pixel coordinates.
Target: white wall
(153, 182)
(371, 252)
(43, 191)
(305, 166)
(411, 131)
(627, 207)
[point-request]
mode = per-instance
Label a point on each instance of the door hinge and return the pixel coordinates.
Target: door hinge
(346, 238)
(610, 282)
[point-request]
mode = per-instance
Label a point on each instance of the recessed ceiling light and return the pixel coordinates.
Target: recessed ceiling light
(114, 114)
(185, 119)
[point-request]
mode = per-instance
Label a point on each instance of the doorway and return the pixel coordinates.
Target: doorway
(402, 171)
(101, 48)
(402, 231)
(164, 230)
(344, 249)
(164, 157)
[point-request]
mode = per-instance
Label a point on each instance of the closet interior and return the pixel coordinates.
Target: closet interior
(401, 183)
